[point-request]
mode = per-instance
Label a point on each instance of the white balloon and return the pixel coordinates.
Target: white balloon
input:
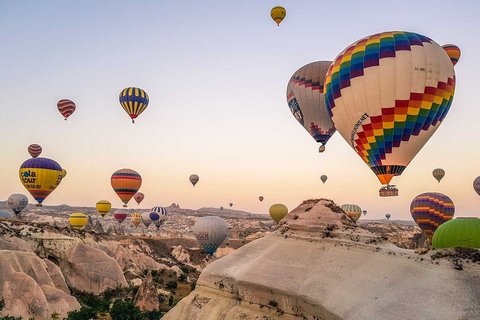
(210, 232)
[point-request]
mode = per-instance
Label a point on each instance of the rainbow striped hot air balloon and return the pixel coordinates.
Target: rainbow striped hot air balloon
(453, 52)
(125, 183)
(34, 150)
(77, 220)
(40, 176)
(66, 107)
(352, 210)
(134, 101)
(430, 210)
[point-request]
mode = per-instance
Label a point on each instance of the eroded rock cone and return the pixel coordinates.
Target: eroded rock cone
(147, 295)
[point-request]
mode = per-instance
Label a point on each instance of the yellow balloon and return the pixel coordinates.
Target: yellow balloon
(277, 212)
(103, 206)
(77, 220)
(136, 219)
(40, 176)
(278, 14)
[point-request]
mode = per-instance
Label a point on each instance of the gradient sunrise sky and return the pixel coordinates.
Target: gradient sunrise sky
(216, 73)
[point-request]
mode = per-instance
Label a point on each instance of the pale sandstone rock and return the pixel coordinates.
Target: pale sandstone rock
(147, 295)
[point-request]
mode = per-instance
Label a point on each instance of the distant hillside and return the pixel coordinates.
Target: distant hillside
(362, 222)
(226, 211)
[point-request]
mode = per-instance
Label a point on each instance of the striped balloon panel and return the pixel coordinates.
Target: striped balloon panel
(125, 183)
(66, 107)
(453, 52)
(40, 176)
(388, 92)
(352, 210)
(134, 101)
(34, 150)
(306, 101)
(430, 210)
(77, 220)
(161, 211)
(136, 219)
(103, 206)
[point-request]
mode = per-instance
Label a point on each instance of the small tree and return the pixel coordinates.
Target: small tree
(125, 310)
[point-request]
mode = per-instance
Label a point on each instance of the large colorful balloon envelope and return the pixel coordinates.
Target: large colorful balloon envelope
(34, 150)
(387, 94)
(210, 232)
(134, 101)
(125, 183)
(352, 210)
(277, 212)
(120, 215)
(136, 219)
(66, 107)
(430, 210)
(438, 174)
(305, 98)
(453, 52)
(194, 179)
(138, 197)
(103, 206)
(77, 220)
(40, 176)
(17, 202)
(278, 13)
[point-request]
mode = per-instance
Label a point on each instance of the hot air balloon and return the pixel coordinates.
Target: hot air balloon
(364, 212)
(230, 204)
(459, 232)
(260, 198)
(387, 94)
(194, 179)
(352, 210)
(162, 212)
(17, 202)
(278, 14)
(210, 232)
(40, 176)
(388, 216)
(134, 101)
(221, 208)
(34, 150)
(323, 178)
(66, 107)
(125, 183)
(138, 197)
(103, 206)
(430, 210)
(306, 101)
(278, 211)
(146, 219)
(120, 215)
(453, 52)
(77, 220)
(438, 174)
(5, 214)
(476, 185)
(136, 219)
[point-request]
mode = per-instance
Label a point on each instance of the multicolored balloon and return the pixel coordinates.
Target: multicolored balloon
(78, 220)
(103, 206)
(194, 179)
(66, 107)
(430, 210)
(387, 94)
(323, 178)
(352, 210)
(120, 215)
(305, 98)
(40, 176)
(17, 202)
(261, 198)
(476, 185)
(138, 197)
(125, 183)
(453, 52)
(34, 150)
(438, 174)
(134, 101)
(136, 219)
(210, 232)
(277, 212)
(278, 13)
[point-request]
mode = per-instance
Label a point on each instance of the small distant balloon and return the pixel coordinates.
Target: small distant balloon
(476, 185)
(323, 178)
(66, 107)
(146, 219)
(162, 212)
(453, 52)
(278, 211)
(221, 208)
(17, 202)
(230, 204)
(388, 216)
(194, 179)
(260, 198)
(364, 212)
(125, 183)
(278, 13)
(103, 206)
(352, 210)
(136, 219)
(210, 232)
(77, 220)
(35, 150)
(120, 215)
(134, 101)
(438, 174)
(138, 197)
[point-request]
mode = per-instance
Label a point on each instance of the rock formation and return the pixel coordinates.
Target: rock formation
(147, 295)
(320, 265)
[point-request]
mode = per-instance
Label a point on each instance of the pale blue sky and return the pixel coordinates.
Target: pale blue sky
(216, 73)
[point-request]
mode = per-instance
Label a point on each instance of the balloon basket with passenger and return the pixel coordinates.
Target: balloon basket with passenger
(388, 191)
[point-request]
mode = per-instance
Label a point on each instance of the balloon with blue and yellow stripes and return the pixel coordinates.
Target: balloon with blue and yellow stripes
(134, 101)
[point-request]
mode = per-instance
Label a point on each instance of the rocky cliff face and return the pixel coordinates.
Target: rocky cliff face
(321, 265)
